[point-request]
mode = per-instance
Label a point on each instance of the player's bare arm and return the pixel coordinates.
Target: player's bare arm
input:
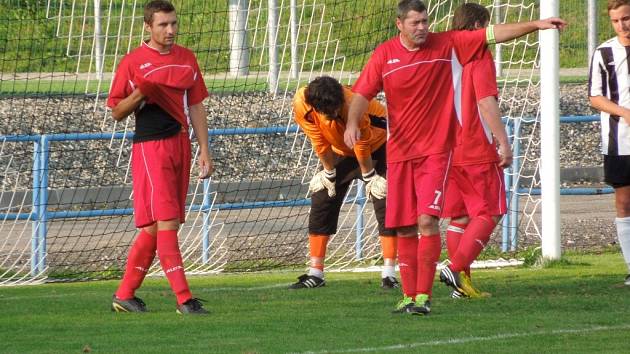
(508, 31)
(365, 164)
(128, 105)
(602, 103)
(327, 160)
(491, 114)
(358, 107)
(200, 125)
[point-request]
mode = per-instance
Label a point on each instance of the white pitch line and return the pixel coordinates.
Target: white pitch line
(470, 339)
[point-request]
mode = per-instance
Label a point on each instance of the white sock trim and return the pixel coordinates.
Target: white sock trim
(388, 271)
(454, 228)
(623, 234)
(316, 272)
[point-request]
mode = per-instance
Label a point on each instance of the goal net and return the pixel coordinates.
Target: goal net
(65, 182)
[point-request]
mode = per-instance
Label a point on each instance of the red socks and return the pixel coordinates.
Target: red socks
(408, 264)
(139, 260)
(171, 261)
(472, 242)
(453, 236)
(429, 249)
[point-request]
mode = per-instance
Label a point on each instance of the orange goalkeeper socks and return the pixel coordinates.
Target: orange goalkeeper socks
(317, 247)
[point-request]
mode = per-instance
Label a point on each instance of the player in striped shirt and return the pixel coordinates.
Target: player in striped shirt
(321, 110)
(161, 84)
(420, 73)
(475, 198)
(609, 92)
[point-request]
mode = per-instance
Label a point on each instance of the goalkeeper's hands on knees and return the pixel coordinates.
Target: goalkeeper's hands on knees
(324, 179)
(376, 185)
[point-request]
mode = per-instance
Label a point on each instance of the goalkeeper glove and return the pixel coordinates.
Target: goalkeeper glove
(324, 180)
(376, 186)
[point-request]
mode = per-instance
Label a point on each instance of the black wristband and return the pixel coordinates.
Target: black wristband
(330, 175)
(369, 175)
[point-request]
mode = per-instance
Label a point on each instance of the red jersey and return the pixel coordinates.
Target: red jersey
(476, 144)
(422, 88)
(171, 80)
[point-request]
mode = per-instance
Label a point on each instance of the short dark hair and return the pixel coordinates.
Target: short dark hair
(613, 4)
(468, 14)
(325, 95)
(405, 6)
(156, 6)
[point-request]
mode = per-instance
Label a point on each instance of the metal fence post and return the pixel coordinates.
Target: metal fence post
(507, 177)
(43, 205)
(239, 50)
(40, 205)
(205, 229)
(35, 210)
(360, 229)
(272, 29)
(592, 29)
(497, 47)
(98, 49)
(514, 202)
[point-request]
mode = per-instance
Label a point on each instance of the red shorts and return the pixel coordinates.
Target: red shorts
(416, 187)
(475, 190)
(161, 173)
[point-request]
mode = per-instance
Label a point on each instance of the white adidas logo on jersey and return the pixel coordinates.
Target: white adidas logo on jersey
(393, 61)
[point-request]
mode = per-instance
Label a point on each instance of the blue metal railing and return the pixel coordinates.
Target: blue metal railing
(40, 215)
(511, 219)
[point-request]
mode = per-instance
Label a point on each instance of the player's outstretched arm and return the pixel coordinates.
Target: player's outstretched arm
(491, 114)
(200, 125)
(507, 31)
(358, 107)
(604, 104)
(127, 105)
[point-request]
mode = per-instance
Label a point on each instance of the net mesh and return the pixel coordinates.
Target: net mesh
(65, 183)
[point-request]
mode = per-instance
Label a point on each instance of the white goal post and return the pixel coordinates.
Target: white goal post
(550, 133)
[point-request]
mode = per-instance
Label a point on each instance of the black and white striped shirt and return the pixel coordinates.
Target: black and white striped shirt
(610, 77)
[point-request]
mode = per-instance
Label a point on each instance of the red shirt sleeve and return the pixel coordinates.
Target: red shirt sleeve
(370, 82)
(484, 77)
(198, 92)
(122, 85)
(469, 45)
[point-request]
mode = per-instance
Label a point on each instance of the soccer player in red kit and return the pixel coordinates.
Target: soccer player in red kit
(475, 198)
(420, 73)
(161, 84)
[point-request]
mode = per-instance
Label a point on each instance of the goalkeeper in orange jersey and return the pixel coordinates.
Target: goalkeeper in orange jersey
(321, 110)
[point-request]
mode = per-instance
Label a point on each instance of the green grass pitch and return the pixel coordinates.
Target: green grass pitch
(578, 305)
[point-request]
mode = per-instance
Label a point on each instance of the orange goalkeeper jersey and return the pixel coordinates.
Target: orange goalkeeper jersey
(326, 134)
